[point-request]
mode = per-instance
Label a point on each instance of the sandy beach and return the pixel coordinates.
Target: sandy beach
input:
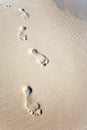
(61, 86)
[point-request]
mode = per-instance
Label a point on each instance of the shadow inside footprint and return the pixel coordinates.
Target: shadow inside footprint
(29, 90)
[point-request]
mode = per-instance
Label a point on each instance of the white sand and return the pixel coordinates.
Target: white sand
(61, 86)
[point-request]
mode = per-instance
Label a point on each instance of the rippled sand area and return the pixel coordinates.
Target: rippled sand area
(43, 50)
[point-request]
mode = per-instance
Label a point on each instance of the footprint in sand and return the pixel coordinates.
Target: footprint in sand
(8, 5)
(41, 59)
(24, 14)
(32, 106)
(21, 34)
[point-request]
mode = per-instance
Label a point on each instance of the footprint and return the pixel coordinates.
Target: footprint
(23, 13)
(22, 28)
(32, 107)
(41, 59)
(8, 5)
(21, 34)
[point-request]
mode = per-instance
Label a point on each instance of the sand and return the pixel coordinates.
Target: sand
(61, 86)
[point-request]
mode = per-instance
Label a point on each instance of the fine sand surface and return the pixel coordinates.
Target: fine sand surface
(61, 86)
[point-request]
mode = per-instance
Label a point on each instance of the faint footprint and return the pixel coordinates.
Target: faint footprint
(23, 13)
(41, 59)
(21, 34)
(8, 5)
(32, 107)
